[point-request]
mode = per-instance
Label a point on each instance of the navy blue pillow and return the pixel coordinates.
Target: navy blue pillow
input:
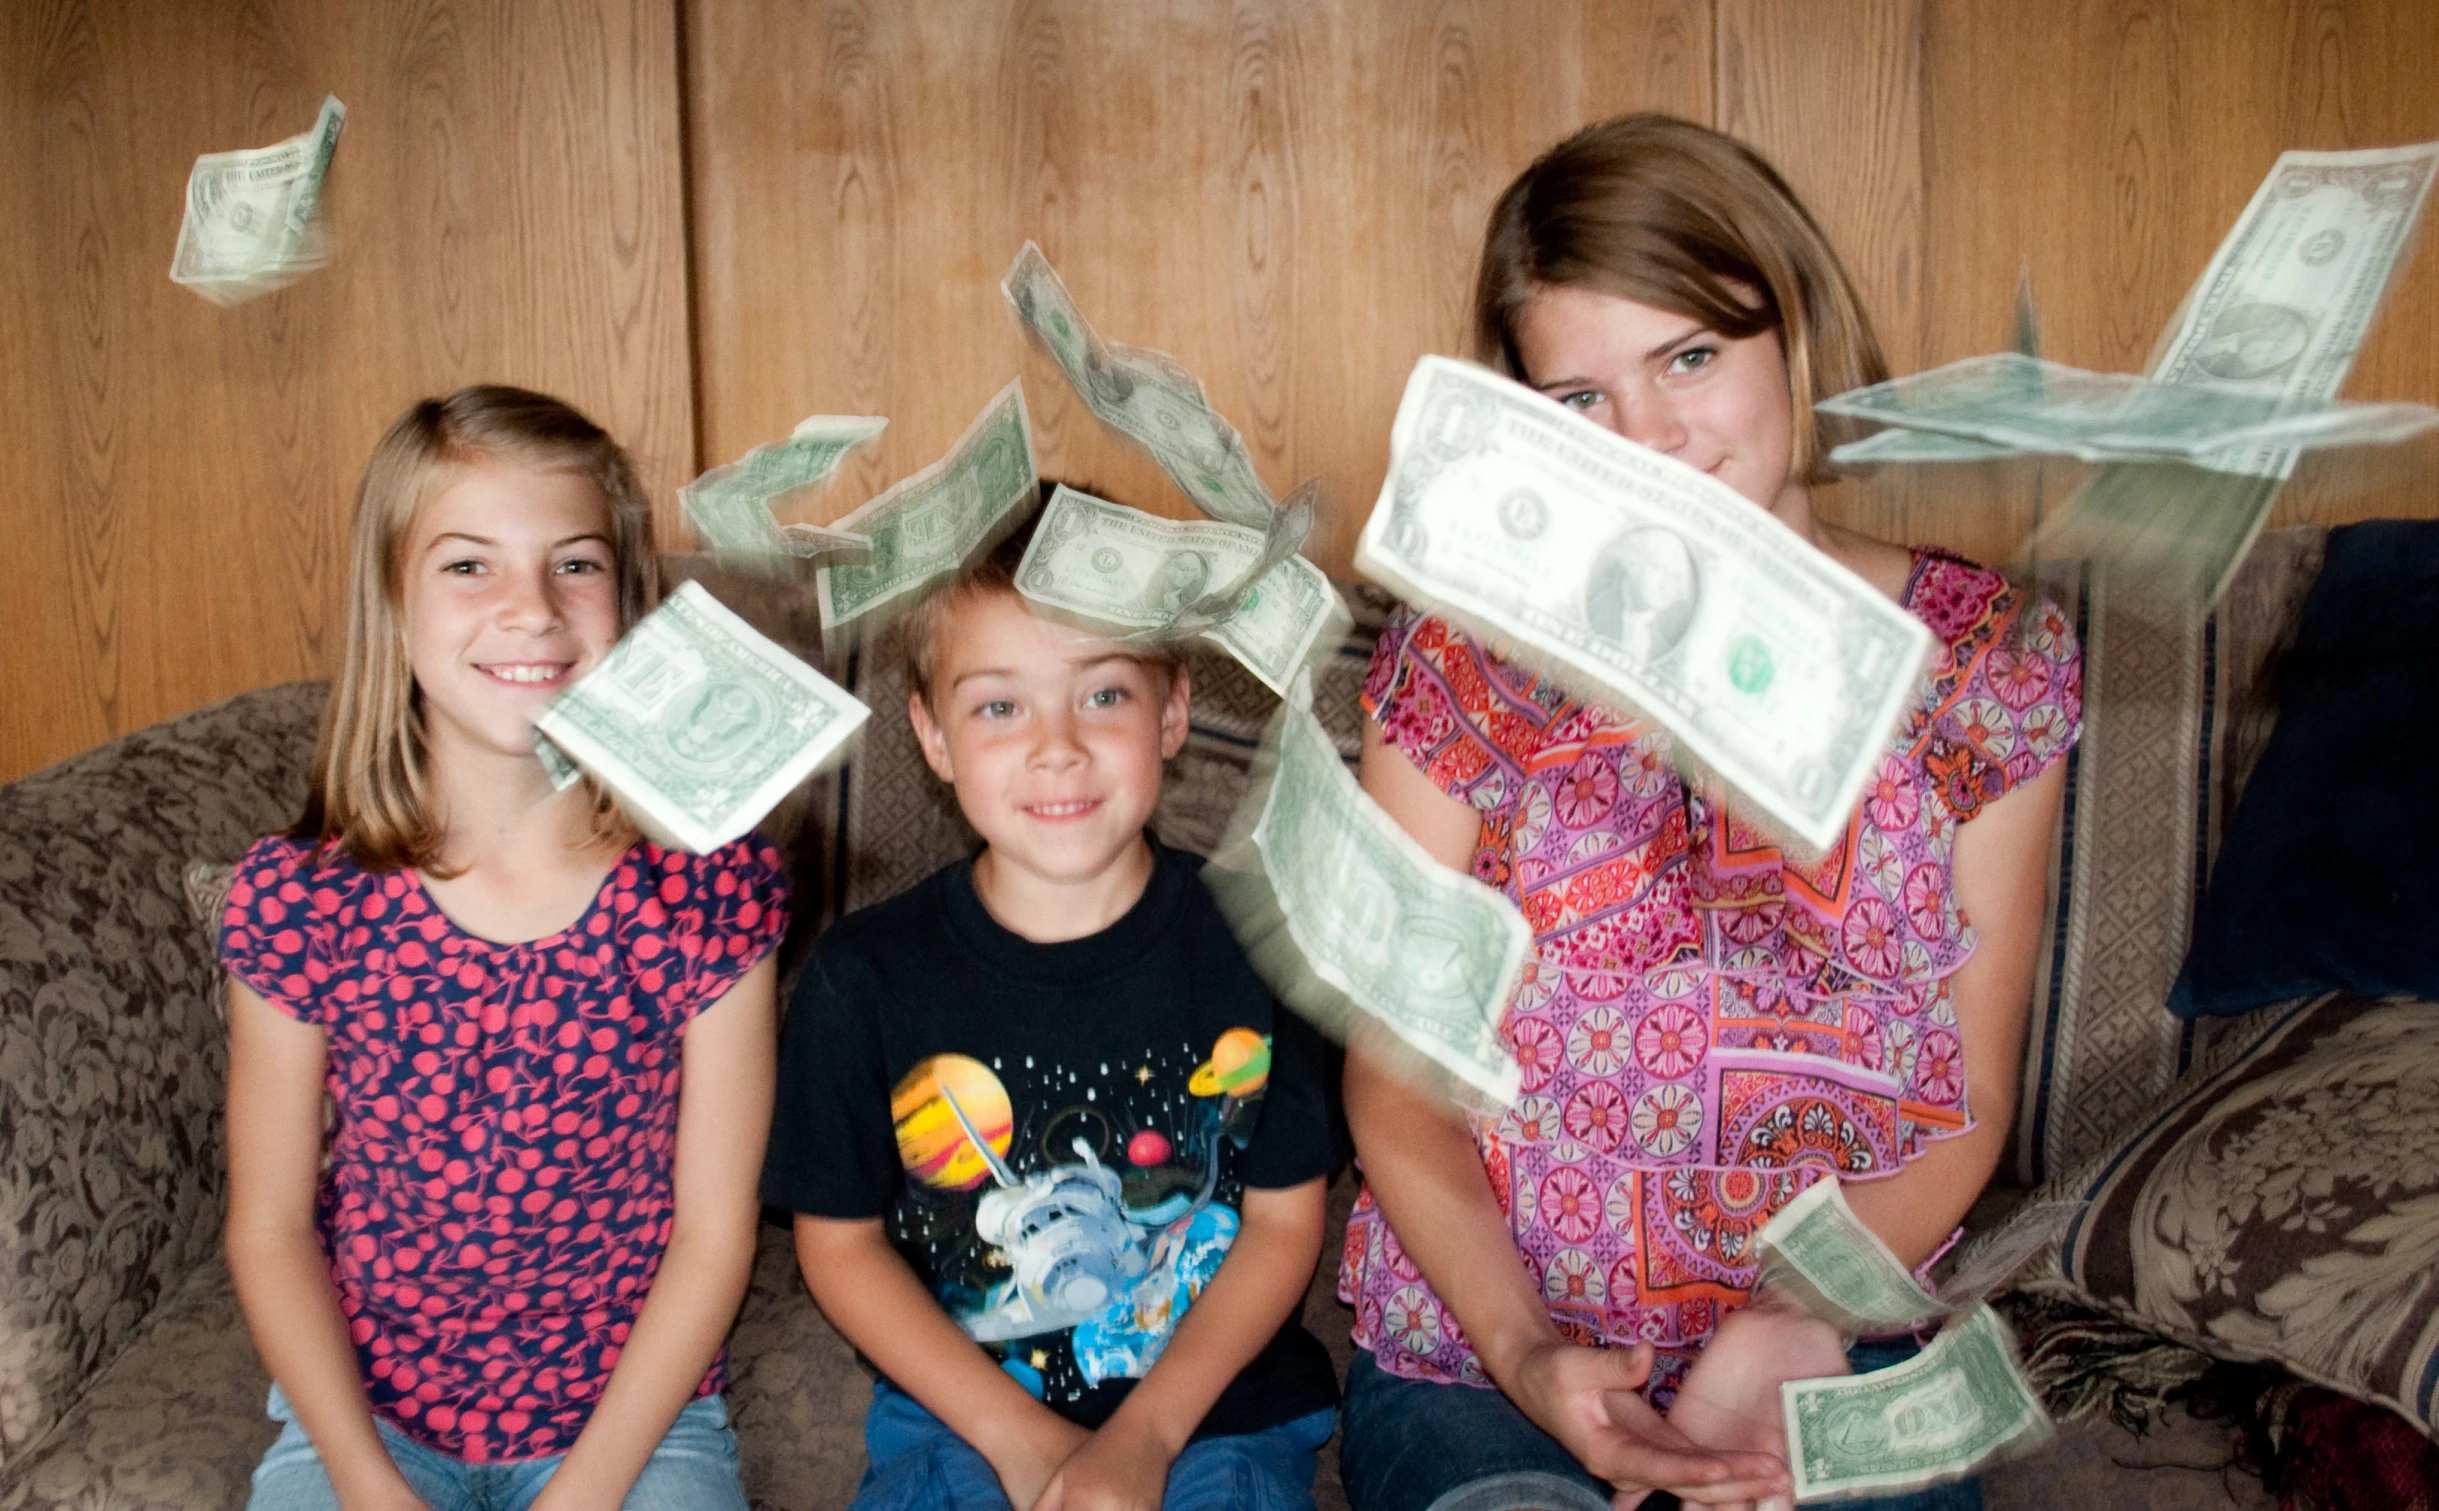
(2324, 881)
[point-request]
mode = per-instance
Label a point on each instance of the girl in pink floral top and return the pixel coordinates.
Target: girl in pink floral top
(1707, 1024)
(506, 1276)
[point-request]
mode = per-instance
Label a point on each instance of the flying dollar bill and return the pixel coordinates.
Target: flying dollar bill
(1350, 922)
(697, 724)
(930, 524)
(1639, 582)
(253, 221)
(1144, 395)
(730, 506)
(1822, 1256)
(2026, 404)
(1940, 1415)
(1125, 570)
(2279, 314)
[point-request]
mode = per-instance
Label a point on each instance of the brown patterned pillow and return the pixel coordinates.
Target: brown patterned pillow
(2284, 1207)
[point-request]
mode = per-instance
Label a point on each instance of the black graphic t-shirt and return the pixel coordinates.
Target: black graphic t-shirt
(1057, 1136)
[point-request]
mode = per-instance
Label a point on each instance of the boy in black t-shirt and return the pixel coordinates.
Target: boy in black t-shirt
(1056, 1155)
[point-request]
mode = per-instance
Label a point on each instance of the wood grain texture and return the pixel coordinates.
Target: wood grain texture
(1287, 197)
(508, 205)
(2107, 146)
(797, 209)
(1831, 92)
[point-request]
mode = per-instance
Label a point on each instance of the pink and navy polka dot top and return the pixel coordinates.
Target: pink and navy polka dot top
(500, 1183)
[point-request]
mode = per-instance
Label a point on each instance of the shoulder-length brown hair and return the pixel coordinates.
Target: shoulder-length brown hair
(1679, 217)
(370, 792)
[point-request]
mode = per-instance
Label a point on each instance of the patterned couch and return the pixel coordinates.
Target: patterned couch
(127, 1381)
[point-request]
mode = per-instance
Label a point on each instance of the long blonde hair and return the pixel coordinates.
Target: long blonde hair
(1682, 218)
(369, 796)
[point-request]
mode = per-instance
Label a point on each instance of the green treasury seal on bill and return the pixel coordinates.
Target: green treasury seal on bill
(1350, 922)
(933, 522)
(1638, 582)
(1123, 569)
(697, 724)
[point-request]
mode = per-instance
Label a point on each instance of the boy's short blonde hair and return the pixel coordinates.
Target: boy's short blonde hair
(992, 573)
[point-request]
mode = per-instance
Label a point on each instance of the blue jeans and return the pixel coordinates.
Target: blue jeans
(918, 1465)
(694, 1469)
(1411, 1445)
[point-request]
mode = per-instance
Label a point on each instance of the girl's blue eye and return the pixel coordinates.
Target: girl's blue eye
(1107, 697)
(1582, 398)
(997, 708)
(1694, 358)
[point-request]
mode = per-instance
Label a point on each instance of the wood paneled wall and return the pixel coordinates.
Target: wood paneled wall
(508, 201)
(705, 219)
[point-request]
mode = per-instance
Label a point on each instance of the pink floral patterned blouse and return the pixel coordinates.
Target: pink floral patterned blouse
(1706, 1025)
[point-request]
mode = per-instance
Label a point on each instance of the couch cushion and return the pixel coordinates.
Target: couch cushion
(2280, 1207)
(2176, 709)
(2319, 885)
(175, 1423)
(110, 1137)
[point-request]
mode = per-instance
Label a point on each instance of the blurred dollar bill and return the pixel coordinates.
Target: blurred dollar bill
(253, 221)
(1147, 396)
(930, 524)
(731, 505)
(1353, 924)
(1638, 582)
(1124, 570)
(1940, 1415)
(698, 725)
(2025, 404)
(1822, 1256)
(2278, 316)
(563, 773)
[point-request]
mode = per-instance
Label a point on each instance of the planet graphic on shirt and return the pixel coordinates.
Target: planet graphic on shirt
(932, 1143)
(1239, 1066)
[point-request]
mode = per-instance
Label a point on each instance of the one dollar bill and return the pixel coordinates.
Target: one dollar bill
(1147, 396)
(2025, 404)
(1639, 582)
(930, 524)
(1817, 1252)
(1123, 569)
(253, 221)
(1350, 922)
(731, 505)
(698, 725)
(1938, 1416)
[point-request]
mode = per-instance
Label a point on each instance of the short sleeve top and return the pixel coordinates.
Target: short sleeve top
(500, 1183)
(1706, 1024)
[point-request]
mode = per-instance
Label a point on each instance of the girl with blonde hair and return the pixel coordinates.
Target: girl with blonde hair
(1556, 1307)
(548, 1044)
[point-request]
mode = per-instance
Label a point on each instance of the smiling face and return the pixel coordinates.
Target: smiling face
(1054, 741)
(1664, 380)
(509, 597)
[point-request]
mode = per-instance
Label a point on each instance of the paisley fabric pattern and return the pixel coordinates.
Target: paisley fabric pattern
(1708, 1024)
(501, 1175)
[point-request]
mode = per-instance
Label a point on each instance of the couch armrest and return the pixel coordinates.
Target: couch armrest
(111, 1159)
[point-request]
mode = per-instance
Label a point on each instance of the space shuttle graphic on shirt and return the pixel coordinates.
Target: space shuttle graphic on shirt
(1076, 1255)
